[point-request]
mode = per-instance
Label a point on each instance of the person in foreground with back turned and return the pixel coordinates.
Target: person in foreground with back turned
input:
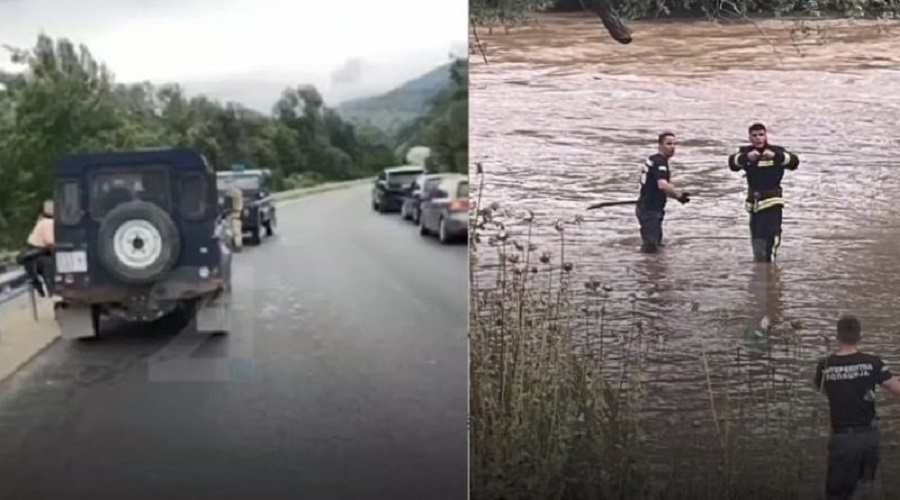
(849, 377)
(764, 165)
(656, 187)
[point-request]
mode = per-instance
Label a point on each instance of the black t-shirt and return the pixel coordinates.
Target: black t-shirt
(849, 382)
(655, 167)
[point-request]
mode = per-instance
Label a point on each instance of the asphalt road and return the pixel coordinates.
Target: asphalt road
(345, 377)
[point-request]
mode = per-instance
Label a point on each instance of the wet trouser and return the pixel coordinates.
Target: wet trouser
(651, 221)
(765, 234)
(853, 459)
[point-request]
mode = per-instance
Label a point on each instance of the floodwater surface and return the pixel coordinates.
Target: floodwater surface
(562, 117)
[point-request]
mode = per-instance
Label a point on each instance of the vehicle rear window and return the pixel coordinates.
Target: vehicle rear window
(246, 183)
(112, 188)
(403, 178)
(68, 201)
(462, 190)
(193, 196)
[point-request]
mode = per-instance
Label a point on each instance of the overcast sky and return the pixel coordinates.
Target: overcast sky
(247, 50)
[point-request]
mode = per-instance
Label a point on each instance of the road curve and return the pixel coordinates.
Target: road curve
(345, 378)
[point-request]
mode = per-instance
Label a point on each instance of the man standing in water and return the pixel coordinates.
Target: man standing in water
(764, 165)
(655, 189)
(849, 377)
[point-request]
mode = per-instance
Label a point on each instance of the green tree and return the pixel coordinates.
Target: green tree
(445, 129)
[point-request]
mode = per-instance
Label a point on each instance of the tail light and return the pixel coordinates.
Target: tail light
(459, 206)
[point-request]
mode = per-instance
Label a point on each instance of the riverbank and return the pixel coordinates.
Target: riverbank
(767, 25)
(679, 15)
(666, 12)
(841, 45)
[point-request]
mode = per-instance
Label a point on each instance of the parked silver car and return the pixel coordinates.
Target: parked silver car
(445, 209)
(392, 185)
(412, 202)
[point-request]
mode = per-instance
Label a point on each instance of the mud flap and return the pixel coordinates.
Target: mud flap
(214, 316)
(75, 321)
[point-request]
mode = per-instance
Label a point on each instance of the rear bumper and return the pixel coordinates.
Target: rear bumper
(410, 204)
(181, 284)
(457, 224)
(392, 201)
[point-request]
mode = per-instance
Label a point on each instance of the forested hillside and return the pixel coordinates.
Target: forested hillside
(396, 108)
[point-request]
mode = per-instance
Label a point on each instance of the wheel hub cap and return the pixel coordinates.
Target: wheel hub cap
(137, 244)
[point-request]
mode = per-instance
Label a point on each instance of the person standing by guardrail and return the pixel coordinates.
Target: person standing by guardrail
(38, 257)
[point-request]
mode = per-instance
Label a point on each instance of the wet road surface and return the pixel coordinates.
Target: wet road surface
(562, 117)
(345, 377)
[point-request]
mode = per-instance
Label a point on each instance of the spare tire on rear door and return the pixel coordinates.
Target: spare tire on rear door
(138, 242)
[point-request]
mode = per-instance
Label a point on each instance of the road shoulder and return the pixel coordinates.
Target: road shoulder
(21, 337)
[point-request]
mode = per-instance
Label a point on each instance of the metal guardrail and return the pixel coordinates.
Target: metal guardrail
(15, 283)
(12, 284)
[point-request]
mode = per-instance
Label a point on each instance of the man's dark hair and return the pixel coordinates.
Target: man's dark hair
(849, 331)
(756, 127)
(662, 137)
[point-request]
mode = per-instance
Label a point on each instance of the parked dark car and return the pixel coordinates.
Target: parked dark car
(413, 200)
(392, 185)
(259, 212)
(138, 237)
(445, 209)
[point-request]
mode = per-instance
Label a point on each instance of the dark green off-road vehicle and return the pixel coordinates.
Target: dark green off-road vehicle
(139, 235)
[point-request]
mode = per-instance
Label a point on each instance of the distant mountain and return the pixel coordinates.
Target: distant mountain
(392, 110)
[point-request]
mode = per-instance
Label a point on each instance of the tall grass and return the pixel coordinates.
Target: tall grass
(562, 396)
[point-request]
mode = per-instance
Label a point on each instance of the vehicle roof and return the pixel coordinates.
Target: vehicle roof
(177, 158)
(454, 177)
(452, 181)
(254, 171)
(404, 169)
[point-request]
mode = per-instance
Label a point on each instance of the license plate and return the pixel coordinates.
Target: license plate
(71, 262)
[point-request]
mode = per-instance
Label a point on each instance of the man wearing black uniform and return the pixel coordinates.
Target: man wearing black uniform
(848, 377)
(764, 165)
(655, 188)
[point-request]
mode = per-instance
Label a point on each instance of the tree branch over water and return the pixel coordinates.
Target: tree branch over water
(512, 13)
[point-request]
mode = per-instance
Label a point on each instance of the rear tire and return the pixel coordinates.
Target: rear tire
(443, 237)
(423, 231)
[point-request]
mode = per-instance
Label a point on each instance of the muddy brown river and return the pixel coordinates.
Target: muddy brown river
(562, 117)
